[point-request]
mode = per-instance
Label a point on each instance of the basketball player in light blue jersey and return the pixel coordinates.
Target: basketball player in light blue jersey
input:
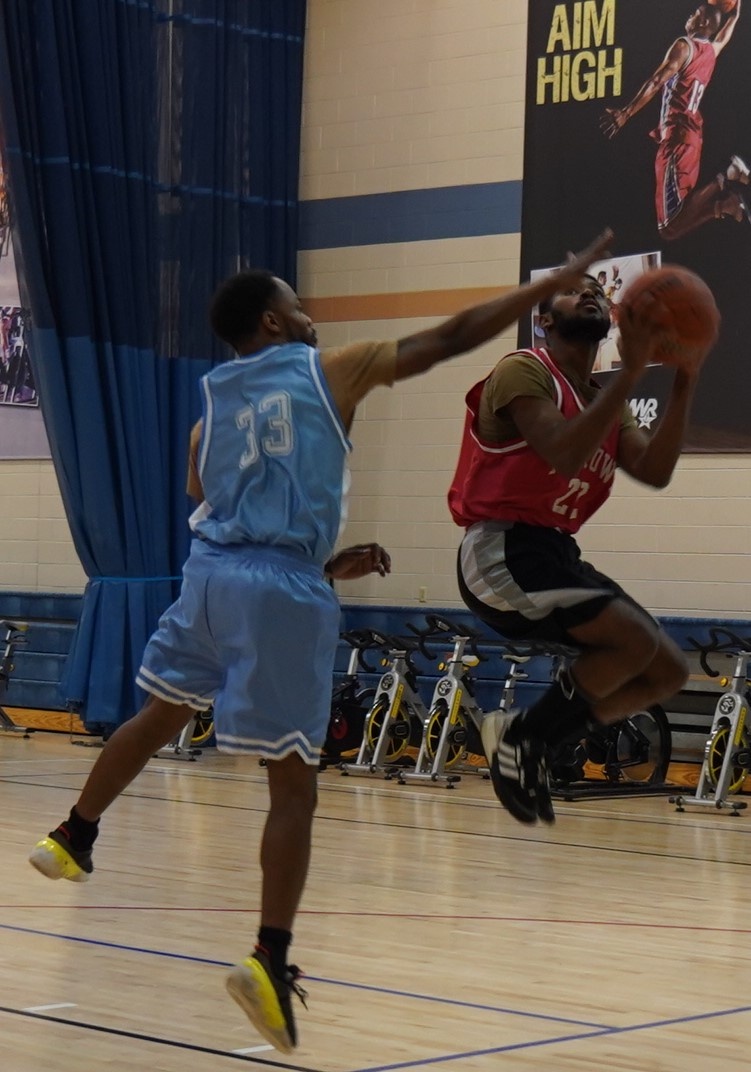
(255, 628)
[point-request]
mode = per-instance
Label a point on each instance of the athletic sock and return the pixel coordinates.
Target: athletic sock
(560, 713)
(81, 833)
(275, 942)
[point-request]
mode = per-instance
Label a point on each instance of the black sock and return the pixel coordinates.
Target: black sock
(560, 712)
(570, 725)
(81, 833)
(275, 943)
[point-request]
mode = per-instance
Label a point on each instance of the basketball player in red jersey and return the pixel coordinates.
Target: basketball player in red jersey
(540, 448)
(683, 76)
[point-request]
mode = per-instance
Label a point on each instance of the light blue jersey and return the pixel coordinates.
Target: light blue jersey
(273, 459)
(255, 629)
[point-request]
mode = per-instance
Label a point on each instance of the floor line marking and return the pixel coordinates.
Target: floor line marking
(515, 1046)
(367, 987)
(426, 917)
(48, 1008)
(157, 1039)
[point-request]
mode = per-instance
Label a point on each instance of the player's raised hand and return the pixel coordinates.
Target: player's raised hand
(577, 263)
(637, 337)
(612, 121)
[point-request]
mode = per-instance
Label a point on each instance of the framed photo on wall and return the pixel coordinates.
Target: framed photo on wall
(22, 433)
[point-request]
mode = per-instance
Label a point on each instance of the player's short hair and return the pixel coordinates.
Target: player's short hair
(239, 303)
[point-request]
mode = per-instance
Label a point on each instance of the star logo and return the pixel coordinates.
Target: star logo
(644, 410)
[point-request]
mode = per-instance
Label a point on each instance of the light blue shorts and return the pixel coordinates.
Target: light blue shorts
(254, 632)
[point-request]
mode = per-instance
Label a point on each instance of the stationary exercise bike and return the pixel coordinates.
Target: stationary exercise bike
(351, 699)
(451, 728)
(396, 708)
(12, 636)
(727, 752)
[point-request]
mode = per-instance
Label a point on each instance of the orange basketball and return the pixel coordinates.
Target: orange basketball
(682, 311)
(725, 6)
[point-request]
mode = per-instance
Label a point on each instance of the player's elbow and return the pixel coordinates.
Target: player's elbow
(651, 477)
(659, 481)
(567, 471)
(567, 461)
(568, 468)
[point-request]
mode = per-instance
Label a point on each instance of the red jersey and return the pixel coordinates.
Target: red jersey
(511, 482)
(682, 94)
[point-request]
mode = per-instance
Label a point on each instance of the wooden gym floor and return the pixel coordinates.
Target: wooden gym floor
(435, 930)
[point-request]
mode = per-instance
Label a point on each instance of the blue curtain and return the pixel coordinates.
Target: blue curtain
(151, 149)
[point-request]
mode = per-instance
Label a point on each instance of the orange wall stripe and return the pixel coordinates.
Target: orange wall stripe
(354, 307)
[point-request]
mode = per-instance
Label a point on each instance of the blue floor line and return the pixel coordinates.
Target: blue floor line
(311, 978)
(650, 1025)
(597, 1032)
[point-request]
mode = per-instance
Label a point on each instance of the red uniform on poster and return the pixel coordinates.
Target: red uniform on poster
(683, 77)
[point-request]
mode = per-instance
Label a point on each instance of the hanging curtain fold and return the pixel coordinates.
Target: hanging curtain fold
(151, 148)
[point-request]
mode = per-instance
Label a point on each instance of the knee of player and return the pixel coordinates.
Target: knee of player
(668, 670)
(640, 645)
(293, 784)
(303, 795)
(670, 230)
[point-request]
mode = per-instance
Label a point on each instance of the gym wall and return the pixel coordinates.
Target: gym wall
(413, 130)
(36, 550)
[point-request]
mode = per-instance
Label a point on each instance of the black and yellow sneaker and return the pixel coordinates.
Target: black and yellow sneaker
(265, 998)
(56, 858)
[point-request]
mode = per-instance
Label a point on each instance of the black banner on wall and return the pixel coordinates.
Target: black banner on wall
(662, 164)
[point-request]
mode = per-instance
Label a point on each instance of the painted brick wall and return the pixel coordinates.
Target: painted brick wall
(410, 95)
(416, 94)
(36, 550)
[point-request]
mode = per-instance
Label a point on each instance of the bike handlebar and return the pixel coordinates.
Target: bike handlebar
(373, 640)
(15, 637)
(732, 644)
(440, 626)
(366, 640)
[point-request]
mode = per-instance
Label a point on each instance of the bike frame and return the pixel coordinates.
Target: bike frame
(453, 692)
(730, 721)
(394, 690)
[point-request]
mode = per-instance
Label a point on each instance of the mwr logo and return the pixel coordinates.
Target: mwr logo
(644, 410)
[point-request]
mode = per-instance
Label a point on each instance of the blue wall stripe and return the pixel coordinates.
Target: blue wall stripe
(412, 215)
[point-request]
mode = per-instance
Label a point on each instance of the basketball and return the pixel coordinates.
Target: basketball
(725, 6)
(683, 311)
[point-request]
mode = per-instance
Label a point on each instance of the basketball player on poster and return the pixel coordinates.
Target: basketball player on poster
(683, 77)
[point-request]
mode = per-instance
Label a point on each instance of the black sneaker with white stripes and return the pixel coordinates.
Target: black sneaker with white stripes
(516, 766)
(542, 792)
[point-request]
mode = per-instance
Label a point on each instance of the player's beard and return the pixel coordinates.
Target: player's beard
(580, 327)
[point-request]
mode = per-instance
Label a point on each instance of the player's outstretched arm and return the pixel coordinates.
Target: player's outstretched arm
(615, 119)
(418, 353)
(724, 34)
